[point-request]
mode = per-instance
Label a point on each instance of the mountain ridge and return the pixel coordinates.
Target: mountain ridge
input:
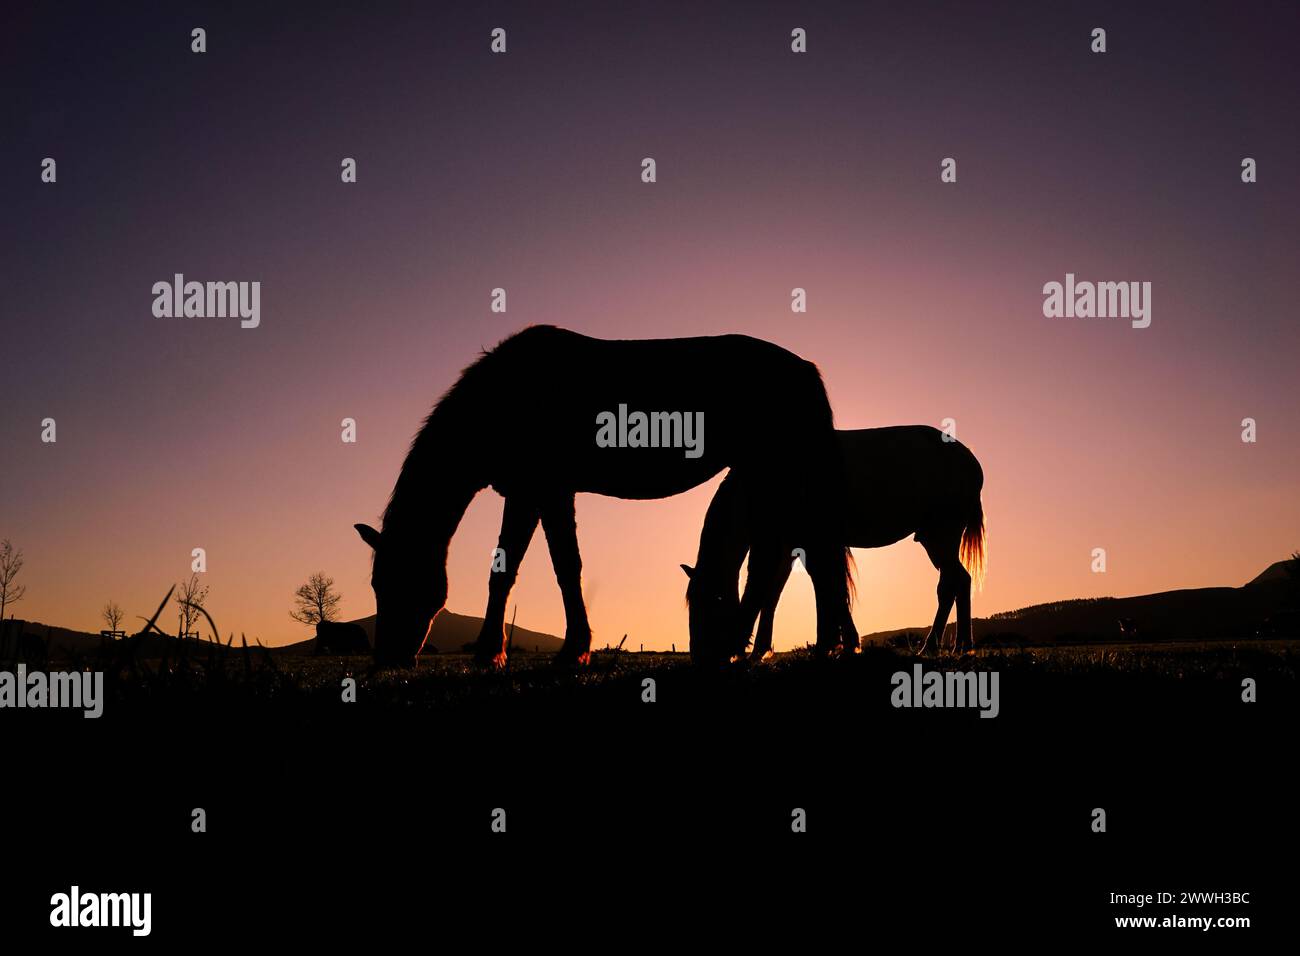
(450, 632)
(1263, 606)
(1266, 605)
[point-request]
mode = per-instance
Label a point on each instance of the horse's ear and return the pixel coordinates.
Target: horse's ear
(368, 534)
(690, 571)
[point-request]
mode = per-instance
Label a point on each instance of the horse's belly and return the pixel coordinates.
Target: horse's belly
(640, 480)
(873, 522)
(878, 539)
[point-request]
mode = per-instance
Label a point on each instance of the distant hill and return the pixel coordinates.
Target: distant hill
(1279, 573)
(1265, 604)
(451, 632)
(63, 642)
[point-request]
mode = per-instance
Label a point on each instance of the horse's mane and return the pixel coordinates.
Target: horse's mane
(448, 426)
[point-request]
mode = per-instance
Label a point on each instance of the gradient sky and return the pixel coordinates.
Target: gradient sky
(522, 171)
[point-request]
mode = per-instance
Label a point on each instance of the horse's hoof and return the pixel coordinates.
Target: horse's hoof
(572, 659)
(490, 661)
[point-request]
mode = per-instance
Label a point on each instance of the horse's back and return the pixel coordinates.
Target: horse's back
(901, 478)
(908, 452)
(543, 353)
(752, 403)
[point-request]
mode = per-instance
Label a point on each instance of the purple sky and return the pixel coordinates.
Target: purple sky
(775, 170)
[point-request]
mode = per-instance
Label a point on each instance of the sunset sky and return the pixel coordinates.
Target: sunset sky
(775, 170)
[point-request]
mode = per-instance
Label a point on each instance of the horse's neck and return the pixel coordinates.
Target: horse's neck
(724, 539)
(424, 514)
(437, 481)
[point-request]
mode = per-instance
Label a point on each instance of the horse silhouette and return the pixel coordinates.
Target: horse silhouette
(333, 637)
(524, 418)
(900, 480)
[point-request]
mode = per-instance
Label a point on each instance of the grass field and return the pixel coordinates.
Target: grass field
(1135, 677)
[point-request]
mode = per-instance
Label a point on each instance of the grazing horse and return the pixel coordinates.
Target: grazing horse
(333, 637)
(531, 419)
(899, 481)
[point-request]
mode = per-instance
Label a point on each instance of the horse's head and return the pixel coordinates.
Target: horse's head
(714, 616)
(409, 591)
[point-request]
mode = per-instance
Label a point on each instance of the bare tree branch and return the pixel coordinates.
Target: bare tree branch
(112, 615)
(316, 600)
(11, 562)
(190, 599)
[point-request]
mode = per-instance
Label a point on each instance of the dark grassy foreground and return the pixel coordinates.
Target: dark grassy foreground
(918, 817)
(1090, 680)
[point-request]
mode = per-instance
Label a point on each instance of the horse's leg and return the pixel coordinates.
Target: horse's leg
(518, 522)
(764, 579)
(826, 569)
(964, 639)
(942, 552)
(959, 584)
(561, 526)
(946, 597)
(849, 632)
(767, 618)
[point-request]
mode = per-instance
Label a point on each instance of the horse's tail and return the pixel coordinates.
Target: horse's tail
(850, 567)
(974, 544)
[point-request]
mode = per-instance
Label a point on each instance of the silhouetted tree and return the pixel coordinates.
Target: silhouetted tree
(190, 598)
(112, 615)
(11, 562)
(316, 600)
